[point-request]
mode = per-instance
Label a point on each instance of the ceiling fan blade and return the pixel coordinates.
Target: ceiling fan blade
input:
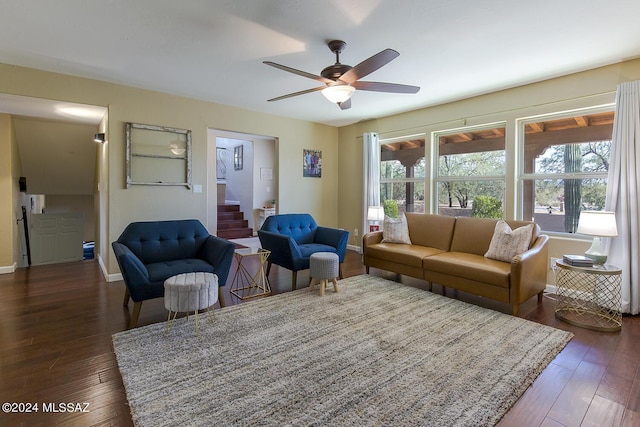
(369, 65)
(298, 72)
(385, 87)
(302, 92)
(345, 105)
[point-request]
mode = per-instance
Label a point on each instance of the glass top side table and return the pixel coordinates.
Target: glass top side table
(589, 297)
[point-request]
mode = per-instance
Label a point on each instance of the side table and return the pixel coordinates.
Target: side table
(589, 296)
(246, 285)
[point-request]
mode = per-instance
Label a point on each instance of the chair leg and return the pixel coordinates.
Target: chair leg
(366, 269)
(126, 297)
(294, 280)
(135, 314)
(340, 271)
(540, 295)
(221, 297)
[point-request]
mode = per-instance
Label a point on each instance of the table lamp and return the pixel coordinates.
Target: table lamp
(598, 224)
(375, 214)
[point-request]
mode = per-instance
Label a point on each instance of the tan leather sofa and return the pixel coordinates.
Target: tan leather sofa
(450, 251)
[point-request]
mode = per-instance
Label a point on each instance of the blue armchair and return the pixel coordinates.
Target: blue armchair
(150, 252)
(292, 238)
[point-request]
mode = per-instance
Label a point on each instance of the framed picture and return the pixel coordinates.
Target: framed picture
(237, 158)
(312, 163)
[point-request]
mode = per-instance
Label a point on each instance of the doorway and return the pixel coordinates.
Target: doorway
(60, 162)
(241, 170)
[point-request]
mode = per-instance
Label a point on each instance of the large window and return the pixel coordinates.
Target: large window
(470, 178)
(565, 167)
(402, 175)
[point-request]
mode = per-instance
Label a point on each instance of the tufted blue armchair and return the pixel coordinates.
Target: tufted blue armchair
(292, 238)
(150, 252)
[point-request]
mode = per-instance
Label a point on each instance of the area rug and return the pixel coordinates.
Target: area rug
(375, 353)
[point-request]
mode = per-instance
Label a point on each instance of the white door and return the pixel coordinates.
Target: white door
(55, 238)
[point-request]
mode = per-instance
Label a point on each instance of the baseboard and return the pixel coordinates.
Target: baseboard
(354, 248)
(8, 269)
(108, 277)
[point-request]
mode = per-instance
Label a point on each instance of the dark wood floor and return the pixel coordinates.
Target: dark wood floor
(55, 347)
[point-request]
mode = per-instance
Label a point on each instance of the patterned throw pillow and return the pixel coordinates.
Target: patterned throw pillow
(395, 230)
(507, 243)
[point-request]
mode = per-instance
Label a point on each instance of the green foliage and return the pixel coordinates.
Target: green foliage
(390, 208)
(486, 207)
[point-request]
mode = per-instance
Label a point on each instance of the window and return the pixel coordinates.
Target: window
(402, 175)
(565, 167)
(470, 178)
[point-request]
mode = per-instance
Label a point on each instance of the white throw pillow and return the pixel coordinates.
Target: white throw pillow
(395, 230)
(507, 243)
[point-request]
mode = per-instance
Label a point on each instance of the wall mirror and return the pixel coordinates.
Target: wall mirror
(158, 155)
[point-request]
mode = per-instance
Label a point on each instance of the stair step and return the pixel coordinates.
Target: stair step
(228, 208)
(236, 223)
(235, 233)
(226, 216)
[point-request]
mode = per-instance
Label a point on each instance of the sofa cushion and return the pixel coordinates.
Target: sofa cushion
(473, 235)
(309, 249)
(471, 267)
(161, 271)
(431, 230)
(395, 230)
(153, 241)
(401, 253)
(507, 243)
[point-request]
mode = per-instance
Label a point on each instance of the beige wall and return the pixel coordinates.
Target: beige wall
(126, 104)
(581, 90)
(11, 200)
(7, 190)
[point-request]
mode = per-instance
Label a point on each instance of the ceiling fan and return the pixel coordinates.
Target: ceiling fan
(342, 80)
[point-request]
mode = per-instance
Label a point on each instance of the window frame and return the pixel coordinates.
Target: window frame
(533, 176)
(436, 178)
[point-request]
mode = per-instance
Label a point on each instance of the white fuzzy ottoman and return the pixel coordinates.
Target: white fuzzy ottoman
(190, 292)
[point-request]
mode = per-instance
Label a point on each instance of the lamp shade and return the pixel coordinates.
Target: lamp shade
(338, 93)
(375, 213)
(597, 223)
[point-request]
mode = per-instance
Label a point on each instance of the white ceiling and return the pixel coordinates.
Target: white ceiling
(213, 49)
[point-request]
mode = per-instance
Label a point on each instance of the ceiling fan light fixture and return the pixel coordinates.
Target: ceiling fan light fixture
(338, 93)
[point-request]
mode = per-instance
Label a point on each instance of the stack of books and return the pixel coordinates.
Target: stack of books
(577, 260)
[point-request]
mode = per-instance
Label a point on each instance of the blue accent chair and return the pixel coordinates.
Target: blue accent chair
(150, 252)
(292, 238)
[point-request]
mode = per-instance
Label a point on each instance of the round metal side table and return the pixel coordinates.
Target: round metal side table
(589, 297)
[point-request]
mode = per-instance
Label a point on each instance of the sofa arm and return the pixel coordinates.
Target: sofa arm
(133, 271)
(333, 237)
(529, 271)
(371, 238)
(284, 249)
(219, 253)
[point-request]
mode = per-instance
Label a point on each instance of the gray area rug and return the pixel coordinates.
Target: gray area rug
(376, 353)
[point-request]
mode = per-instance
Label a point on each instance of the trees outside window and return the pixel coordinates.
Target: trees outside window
(562, 160)
(471, 171)
(565, 167)
(402, 176)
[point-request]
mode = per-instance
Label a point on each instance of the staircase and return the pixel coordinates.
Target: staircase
(231, 223)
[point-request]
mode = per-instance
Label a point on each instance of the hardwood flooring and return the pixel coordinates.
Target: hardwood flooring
(56, 324)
